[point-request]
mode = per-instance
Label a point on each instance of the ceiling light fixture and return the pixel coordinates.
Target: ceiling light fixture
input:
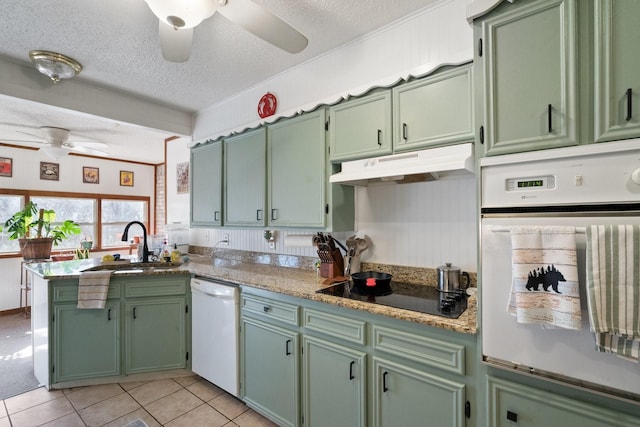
(180, 14)
(55, 65)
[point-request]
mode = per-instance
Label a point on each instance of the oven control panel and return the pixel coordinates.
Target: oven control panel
(547, 182)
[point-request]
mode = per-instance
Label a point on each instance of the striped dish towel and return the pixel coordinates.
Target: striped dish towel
(544, 286)
(93, 287)
(613, 288)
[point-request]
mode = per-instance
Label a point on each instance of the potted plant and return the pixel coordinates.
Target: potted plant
(35, 231)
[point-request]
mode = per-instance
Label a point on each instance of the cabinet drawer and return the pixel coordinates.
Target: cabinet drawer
(68, 293)
(427, 351)
(270, 309)
(336, 326)
(153, 287)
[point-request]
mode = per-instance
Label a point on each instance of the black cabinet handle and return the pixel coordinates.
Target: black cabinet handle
(351, 376)
(134, 313)
(216, 216)
(512, 416)
(109, 315)
(384, 382)
(380, 137)
(549, 122)
(481, 134)
(286, 348)
(629, 104)
(274, 214)
(404, 131)
(259, 215)
(266, 308)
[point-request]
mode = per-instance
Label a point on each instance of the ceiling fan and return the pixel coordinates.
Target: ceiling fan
(57, 139)
(178, 18)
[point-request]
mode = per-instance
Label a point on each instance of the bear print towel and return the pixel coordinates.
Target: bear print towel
(544, 286)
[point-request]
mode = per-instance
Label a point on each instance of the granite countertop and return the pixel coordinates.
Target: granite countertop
(288, 280)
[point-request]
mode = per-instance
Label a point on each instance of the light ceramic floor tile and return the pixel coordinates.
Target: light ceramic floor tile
(87, 396)
(187, 380)
(252, 419)
(30, 399)
(3, 410)
(205, 390)
(132, 384)
(172, 406)
(71, 420)
(4, 422)
(202, 416)
(108, 410)
(228, 405)
(42, 413)
(132, 416)
(230, 424)
(154, 390)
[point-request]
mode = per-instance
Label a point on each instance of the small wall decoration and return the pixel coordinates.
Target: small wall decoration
(126, 178)
(50, 171)
(6, 166)
(182, 177)
(267, 105)
(90, 175)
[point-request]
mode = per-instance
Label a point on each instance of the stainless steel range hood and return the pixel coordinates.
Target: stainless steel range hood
(414, 166)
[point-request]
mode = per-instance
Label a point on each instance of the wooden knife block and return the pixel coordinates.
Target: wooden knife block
(331, 263)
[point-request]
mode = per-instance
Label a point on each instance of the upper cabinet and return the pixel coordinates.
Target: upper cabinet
(525, 63)
(245, 175)
(616, 76)
(433, 111)
(206, 185)
(361, 128)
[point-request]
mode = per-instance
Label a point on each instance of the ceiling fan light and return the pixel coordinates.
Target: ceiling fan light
(54, 65)
(191, 13)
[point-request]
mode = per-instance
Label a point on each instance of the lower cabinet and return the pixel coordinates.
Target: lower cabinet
(270, 361)
(512, 404)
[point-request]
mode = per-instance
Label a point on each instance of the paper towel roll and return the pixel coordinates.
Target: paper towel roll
(298, 240)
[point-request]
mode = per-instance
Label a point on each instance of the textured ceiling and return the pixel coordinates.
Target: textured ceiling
(116, 41)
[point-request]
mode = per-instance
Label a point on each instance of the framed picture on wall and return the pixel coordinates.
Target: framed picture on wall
(6, 166)
(90, 175)
(126, 179)
(50, 171)
(182, 177)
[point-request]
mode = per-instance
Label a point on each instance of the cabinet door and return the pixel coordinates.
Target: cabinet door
(334, 384)
(86, 343)
(296, 171)
(529, 54)
(361, 128)
(616, 79)
(206, 185)
(270, 371)
(409, 397)
(155, 332)
(511, 404)
(434, 111)
(245, 175)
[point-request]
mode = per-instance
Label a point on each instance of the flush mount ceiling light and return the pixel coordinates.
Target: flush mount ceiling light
(55, 65)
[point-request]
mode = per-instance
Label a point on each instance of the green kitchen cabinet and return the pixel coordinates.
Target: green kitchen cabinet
(206, 185)
(434, 111)
(361, 127)
(86, 342)
(513, 404)
(616, 77)
(296, 172)
(414, 396)
(526, 65)
(155, 331)
(245, 174)
(270, 370)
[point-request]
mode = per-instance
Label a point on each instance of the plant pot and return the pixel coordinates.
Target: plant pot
(33, 249)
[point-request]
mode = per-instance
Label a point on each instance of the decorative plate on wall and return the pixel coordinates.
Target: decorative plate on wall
(267, 105)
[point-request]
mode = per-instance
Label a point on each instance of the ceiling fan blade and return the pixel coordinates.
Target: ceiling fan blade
(89, 144)
(22, 140)
(264, 24)
(175, 44)
(85, 150)
(42, 140)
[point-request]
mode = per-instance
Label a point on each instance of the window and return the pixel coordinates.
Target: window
(101, 218)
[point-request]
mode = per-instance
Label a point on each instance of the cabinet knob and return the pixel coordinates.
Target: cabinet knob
(512, 416)
(266, 308)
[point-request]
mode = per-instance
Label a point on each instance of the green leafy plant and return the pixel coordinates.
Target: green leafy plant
(31, 222)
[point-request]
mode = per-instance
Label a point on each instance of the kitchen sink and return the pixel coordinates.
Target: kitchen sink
(135, 267)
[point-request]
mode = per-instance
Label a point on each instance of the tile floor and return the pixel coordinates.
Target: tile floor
(185, 401)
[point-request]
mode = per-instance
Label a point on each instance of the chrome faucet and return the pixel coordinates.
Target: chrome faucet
(145, 248)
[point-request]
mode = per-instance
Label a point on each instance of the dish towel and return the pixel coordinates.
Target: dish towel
(92, 288)
(544, 286)
(613, 288)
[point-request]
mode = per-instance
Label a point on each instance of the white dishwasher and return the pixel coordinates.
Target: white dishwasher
(214, 333)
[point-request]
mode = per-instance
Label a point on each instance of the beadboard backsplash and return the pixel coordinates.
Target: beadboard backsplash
(420, 225)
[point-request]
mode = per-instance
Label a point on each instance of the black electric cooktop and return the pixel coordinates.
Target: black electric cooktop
(420, 298)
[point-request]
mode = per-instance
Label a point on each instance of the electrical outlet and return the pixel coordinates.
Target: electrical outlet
(225, 238)
(205, 235)
(272, 245)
